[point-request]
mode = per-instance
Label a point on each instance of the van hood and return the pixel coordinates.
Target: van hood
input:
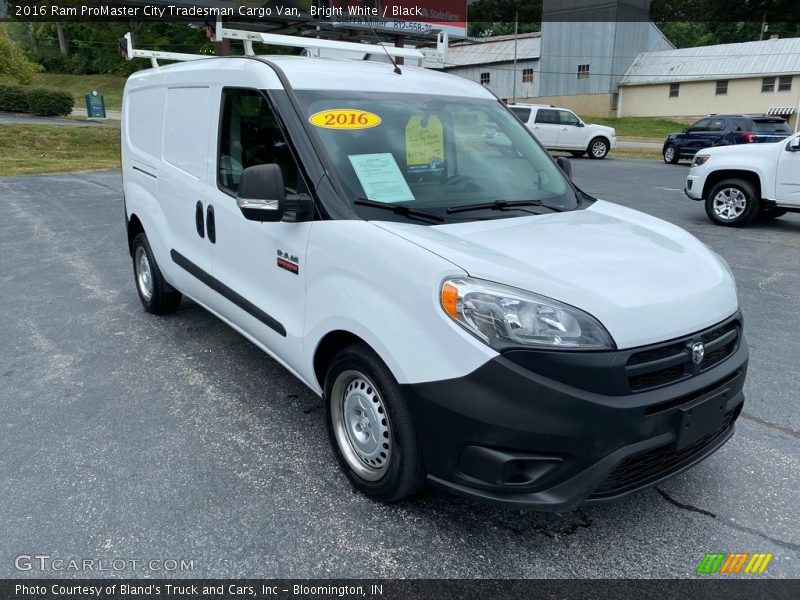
(646, 280)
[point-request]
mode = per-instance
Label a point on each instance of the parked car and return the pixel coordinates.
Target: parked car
(723, 130)
(740, 183)
(561, 129)
(468, 316)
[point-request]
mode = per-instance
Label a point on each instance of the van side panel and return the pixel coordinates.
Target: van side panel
(386, 290)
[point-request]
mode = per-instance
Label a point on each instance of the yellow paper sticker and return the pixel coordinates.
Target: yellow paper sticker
(345, 118)
(424, 144)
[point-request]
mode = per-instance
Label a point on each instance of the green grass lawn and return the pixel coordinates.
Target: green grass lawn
(640, 127)
(34, 149)
(110, 86)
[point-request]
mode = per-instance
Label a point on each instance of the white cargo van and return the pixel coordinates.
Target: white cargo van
(468, 315)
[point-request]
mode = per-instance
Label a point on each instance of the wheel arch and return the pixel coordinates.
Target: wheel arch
(716, 177)
(135, 227)
(330, 345)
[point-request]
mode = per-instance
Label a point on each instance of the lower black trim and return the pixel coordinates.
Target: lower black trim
(509, 435)
(226, 292)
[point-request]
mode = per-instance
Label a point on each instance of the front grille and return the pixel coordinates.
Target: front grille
(637, 470)
(671, 362)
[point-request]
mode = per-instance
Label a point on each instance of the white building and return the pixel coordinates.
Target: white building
(760, 77)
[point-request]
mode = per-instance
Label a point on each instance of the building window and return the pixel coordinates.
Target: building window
(615, 101)
(722, 88)
(767, 84)
(583, 71)
(527, 75)
(785, 84)
(674, 90)
(485, 78)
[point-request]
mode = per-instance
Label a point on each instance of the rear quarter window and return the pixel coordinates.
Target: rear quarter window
(771, 127)
(523, 113)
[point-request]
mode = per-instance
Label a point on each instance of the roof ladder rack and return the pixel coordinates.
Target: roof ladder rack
(313, 46)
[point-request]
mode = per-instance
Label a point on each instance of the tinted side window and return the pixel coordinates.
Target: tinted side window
(701, 125)
(547, 116)
(523, 113)
(250, 135)
(742, 125)
(716, 125)
(567, 118)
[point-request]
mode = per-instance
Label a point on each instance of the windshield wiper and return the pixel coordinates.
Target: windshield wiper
(500, 205)
(399, 209)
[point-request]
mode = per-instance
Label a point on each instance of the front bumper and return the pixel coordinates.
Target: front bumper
(694, 186)
(510, 436)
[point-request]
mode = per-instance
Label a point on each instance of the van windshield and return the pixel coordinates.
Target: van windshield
(434, 153)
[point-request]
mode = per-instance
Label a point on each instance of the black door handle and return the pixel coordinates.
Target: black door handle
(210, 228)
(198, 219)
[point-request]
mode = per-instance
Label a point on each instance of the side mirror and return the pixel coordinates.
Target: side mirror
(565, 166)
(580, 124)
(793, 145)
(262, 195)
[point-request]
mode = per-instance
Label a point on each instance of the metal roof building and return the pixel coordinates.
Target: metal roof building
(724, 61)
(761, 77)
(491, 62)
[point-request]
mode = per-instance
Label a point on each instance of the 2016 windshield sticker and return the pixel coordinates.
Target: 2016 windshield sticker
(344, 118)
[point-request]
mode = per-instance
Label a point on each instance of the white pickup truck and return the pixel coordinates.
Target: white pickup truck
(740, 183)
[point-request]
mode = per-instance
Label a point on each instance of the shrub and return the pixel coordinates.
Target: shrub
(13, 98)
(49, 103)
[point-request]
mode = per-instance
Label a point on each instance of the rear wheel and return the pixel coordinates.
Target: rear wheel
(370, 426)
(157, 296)
(671, 154)
(598, 148)
(733, 203)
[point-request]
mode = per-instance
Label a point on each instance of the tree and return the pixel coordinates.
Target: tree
(497, 17)
(13, 62)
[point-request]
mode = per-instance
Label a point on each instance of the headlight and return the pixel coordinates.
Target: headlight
(700, 160)
(503, 316)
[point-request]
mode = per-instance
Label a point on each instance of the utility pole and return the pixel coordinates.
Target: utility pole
(514, 74)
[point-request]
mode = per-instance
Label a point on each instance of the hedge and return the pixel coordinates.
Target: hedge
(37, 101)
(13, 98)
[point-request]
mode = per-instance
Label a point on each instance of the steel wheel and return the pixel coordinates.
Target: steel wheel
(361, 425)
(729, 204)
(144, 274)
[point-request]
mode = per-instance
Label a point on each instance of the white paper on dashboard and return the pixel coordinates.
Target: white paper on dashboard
(381, 178)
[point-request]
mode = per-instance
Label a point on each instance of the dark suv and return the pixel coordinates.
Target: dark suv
(723, 130)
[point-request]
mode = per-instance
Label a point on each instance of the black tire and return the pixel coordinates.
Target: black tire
(670, 154)
(732, 203)
(598, 148)
(768, 214)
(157, 296)
(577, 153)
(401, 472)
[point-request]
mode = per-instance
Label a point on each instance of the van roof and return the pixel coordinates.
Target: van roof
(305, 73)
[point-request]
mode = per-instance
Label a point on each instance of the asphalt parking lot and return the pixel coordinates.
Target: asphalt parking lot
(132, 436)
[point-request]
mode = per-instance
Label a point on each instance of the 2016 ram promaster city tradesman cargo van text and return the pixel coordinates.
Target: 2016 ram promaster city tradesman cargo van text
(469, 316)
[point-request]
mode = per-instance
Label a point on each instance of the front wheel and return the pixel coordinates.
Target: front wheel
(598, 148)
(671, 156)
(370, 426)
(733, 203)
